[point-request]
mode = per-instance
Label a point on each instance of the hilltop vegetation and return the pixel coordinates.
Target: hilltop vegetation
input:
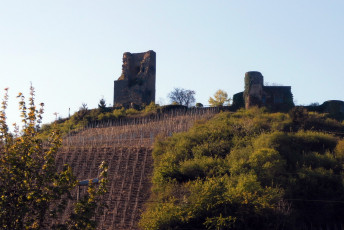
(249, 170)
(86, 116)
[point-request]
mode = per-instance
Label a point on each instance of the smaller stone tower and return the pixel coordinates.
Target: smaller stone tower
(253, 89)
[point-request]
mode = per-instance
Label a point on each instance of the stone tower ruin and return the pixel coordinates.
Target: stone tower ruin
(253, 89)
(275, 98)
(136, 85)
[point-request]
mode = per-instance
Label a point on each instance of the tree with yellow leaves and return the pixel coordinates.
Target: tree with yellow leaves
(32, 191)
(220, 99)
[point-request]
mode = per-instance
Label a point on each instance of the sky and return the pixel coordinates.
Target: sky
(71, 51)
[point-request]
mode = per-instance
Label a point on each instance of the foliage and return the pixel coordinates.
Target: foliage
(85, 209)
(82, 111)
(220, 99)
(248, 170)
(247, 87)
(182, 96)
(199, 105)
(85, 117)
(151, 108)
(304, 120)
(339, 151)
(102, 105)
(131, 111)
(32, 191)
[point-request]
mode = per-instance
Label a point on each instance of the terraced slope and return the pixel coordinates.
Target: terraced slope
(129, 170)
(127, 149)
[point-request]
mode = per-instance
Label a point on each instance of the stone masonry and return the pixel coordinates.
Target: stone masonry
(136, 85)
(276, 98)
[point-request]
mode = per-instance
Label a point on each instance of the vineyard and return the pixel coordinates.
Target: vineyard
(126, 146)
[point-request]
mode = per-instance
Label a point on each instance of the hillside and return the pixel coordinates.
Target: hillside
(250, 170)
(126, 145)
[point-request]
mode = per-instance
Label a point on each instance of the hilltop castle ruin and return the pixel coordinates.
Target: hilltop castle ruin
(136, 85)
(278, 98)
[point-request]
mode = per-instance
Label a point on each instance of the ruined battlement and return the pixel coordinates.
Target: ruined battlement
(136, 85)
(277, 98)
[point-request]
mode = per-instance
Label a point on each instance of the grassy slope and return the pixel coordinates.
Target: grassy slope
(249, 170)
(126, 147)
(85, 117)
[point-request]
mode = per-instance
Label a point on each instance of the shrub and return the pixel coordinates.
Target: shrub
(118, 113)
(151, 108)
(131, 111)
(316, 160)
(32, 191)
(267, 163)
(339, 150)
(203, 167)
(199, 105)
(248, 170)
(292, 145)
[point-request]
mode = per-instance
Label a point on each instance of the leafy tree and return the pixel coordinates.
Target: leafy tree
(182, 96)
(220, 99)
(32, 191)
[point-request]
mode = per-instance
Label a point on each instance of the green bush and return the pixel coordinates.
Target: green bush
(292, 145)
(316, 160)
(268, 164)
(131, 111)
(118, 113)
(339, 150)
(203, 167)
(151, 108)
(199, 105)
(248, 170)
(304, 120)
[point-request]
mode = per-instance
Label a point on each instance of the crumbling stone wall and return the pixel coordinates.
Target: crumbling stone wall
(275, 98)
(136, 85)
(253, 89)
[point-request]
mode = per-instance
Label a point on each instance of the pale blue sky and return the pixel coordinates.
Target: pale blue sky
(72, 50)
